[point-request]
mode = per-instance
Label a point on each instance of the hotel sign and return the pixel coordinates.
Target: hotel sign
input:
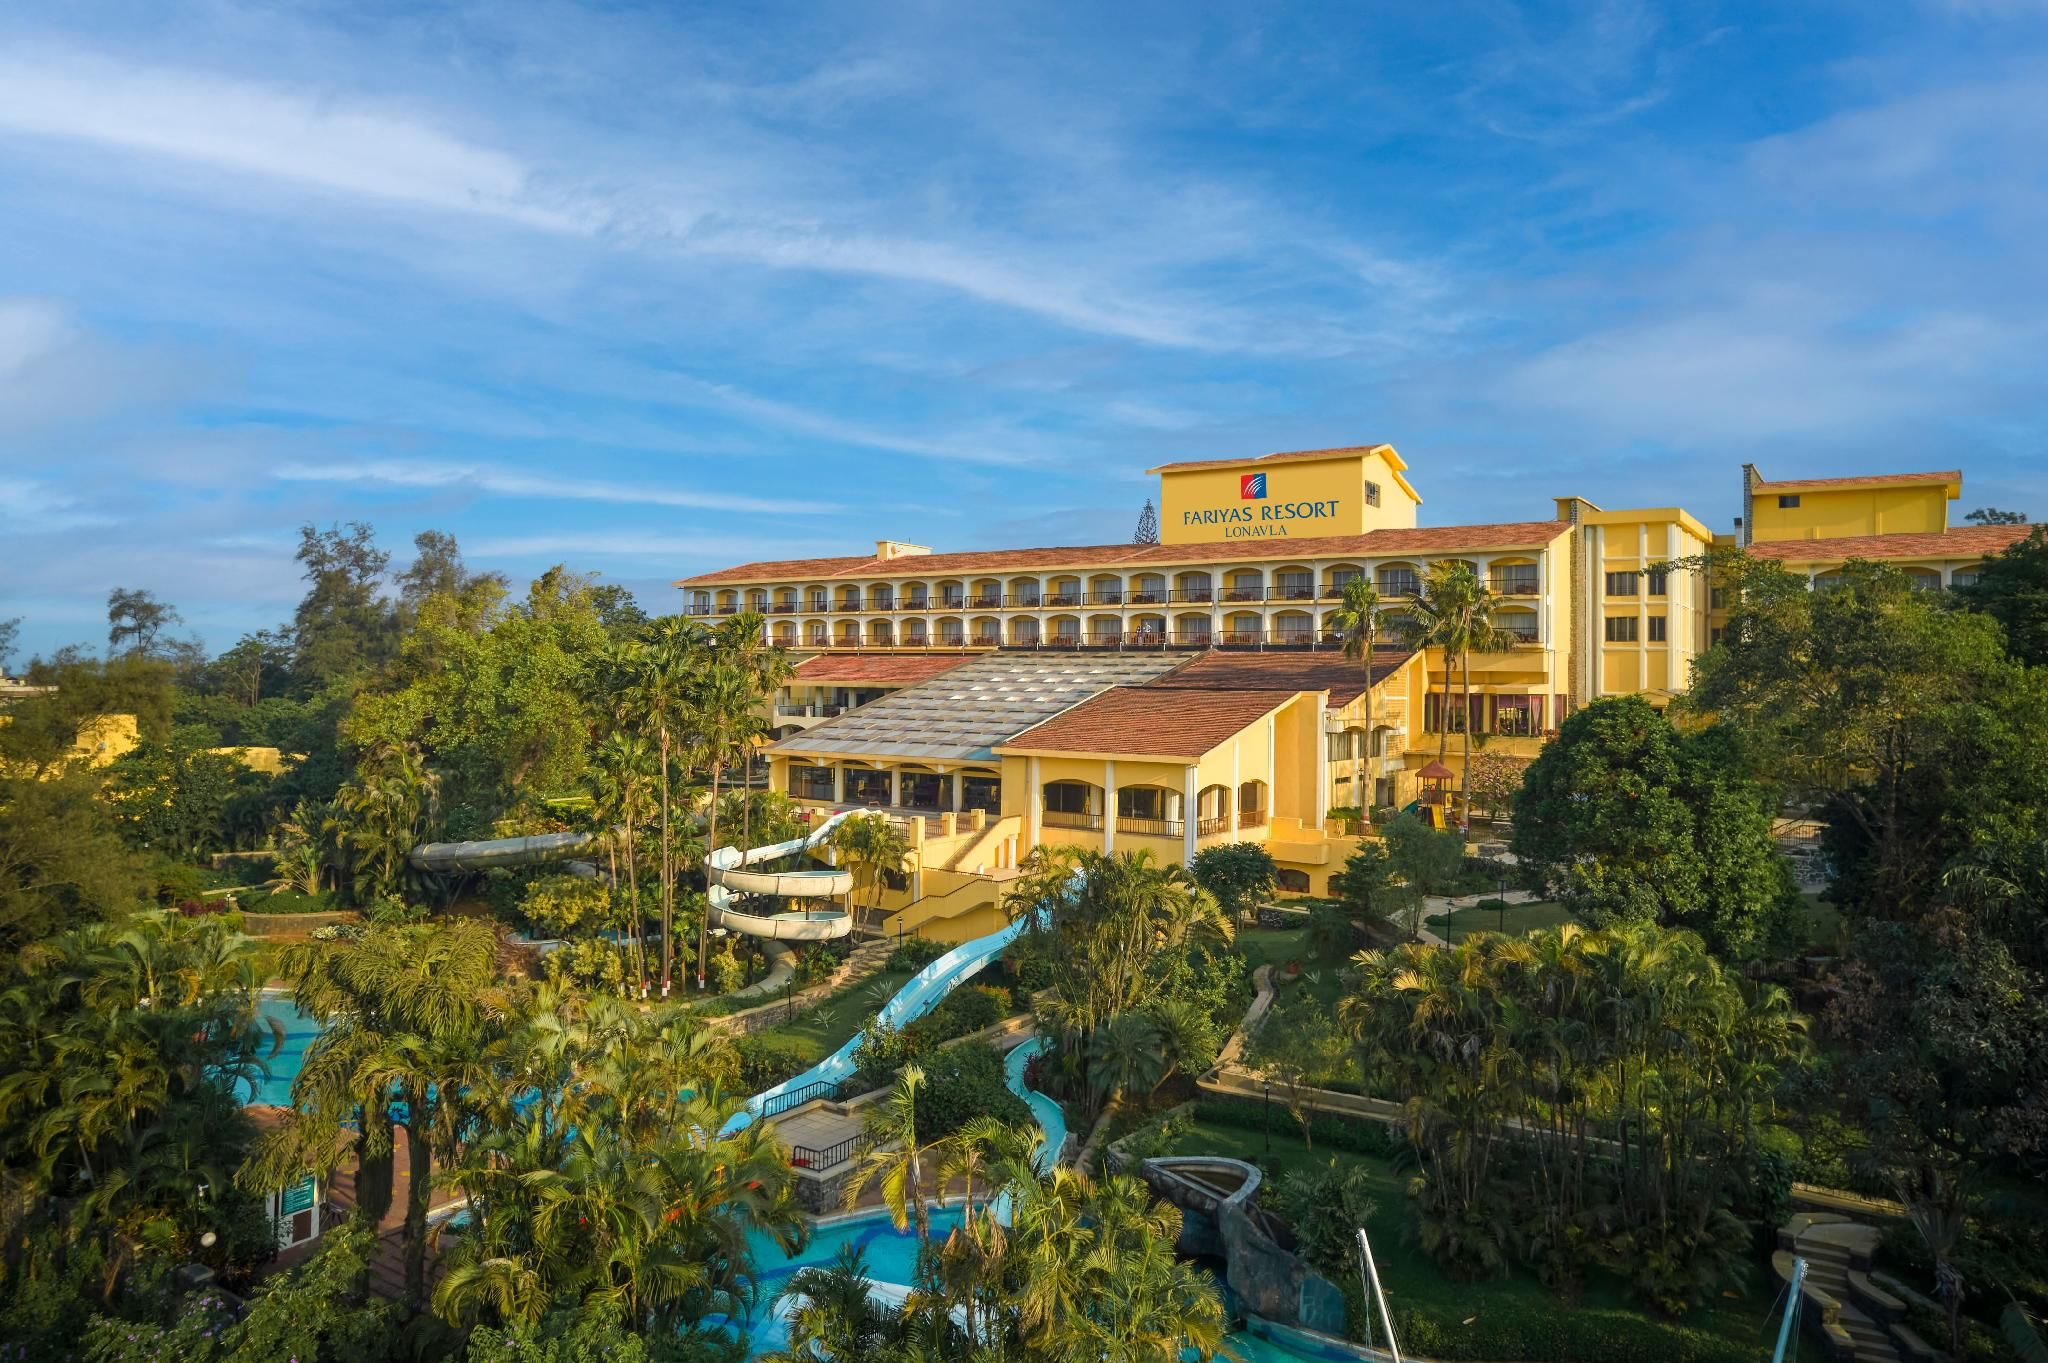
(1257, 517)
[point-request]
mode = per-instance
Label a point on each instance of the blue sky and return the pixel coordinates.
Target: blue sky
(651, 288)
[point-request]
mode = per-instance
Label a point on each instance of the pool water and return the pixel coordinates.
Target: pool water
(279, 1014)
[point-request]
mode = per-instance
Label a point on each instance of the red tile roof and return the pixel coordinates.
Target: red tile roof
(1970, 541)
(1421, 539)
(874, 667)
(1332, 672)
(1282, 457)
(1138, 721)
(1873, 480)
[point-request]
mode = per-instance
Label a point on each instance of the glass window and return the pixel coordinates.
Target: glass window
(1656, 629)
(1623, 584)
(807, 782)
(1788, 503)
(1717, 598)
(1068, 797)
(981, 792)
(1659, 579)
(1372, 493)
(1621, 629)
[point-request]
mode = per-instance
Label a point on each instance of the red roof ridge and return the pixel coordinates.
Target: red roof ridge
(1866, 480)
(1964, 539)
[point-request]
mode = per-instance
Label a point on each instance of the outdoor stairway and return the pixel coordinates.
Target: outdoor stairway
(1857, 1321)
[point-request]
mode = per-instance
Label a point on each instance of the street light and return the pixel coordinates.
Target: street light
(1267, 1123)
(1502, 900)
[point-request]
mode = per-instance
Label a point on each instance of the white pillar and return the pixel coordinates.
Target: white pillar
(838, 784)
(1188, 812)
(895, 787)
(1109, 806)
(1034, 801)
(959, 780)
(1323, 757)
(1271, 806)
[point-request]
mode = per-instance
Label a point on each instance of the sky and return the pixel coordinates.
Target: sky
(648, 289)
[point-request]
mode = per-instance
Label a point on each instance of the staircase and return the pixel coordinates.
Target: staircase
(1856, 1320)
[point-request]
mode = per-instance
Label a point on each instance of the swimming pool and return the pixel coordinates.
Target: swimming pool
(280, 1016)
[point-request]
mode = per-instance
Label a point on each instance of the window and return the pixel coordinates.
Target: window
(1399, 582)
(1788, 503)
(1715, 634)
(1656, 629)
(1659, 580)
(1717, 598)
(1621, 629)
(1067, 797)
(1623, 584)
(1340, 746)
(1372, 493)
(810, 783)
(1291, 881)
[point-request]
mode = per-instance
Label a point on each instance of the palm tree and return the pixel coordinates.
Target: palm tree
(873, 844)
(1483, 634)
(835, 1315)
(743, 640)
(1439, 617)
(721, 715)
(1357, 622)
(892, 1153)
(659, 693)
(622, 780)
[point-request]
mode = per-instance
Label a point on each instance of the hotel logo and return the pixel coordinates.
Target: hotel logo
(1251, 487)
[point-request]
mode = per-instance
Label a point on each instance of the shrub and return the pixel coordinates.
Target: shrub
(176, 881)
(961, 1083)
(1503, 1327)
(565, 905)
(288, 900)
(961, 1012)
(726, 971)
(768, 1058)
(915, 954)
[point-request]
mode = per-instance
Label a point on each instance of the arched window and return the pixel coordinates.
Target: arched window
(1291, 881)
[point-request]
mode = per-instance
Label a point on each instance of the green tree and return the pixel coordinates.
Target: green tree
(135, 618)
(1366, 887)
(174, 797)
(893, 1152)
(1239, 875)
(377, 818)
(2012, 588)
(1300, 1048)
(1628, 820)
(343, 626)
(1357, 624)
(63, 862)
(874, 846)
(1421, 862)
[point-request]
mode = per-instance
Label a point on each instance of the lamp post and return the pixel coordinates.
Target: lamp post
(1266, 1122)
(1502, 900)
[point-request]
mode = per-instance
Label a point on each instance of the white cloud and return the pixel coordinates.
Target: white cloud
(265, 130)
(503, 482)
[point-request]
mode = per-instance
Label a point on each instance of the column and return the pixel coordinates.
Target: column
(895, 788)
(1034, 802)
(1322, 765)
(838, 784)
(1643, 607)
(1230, 796)
(1188, 813)
(1596, 631)
(959, 780)
(1109, 806)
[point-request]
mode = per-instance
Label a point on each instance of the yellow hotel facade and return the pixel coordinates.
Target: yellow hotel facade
(1179, 694)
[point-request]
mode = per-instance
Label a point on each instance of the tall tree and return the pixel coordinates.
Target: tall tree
(1991, 515)
(660, 691)
(2012, 588)
(873, 845)
(1440, 616)
(1357, 623)
(1148, 525)
(437, 569)
(343, 625)
(134, 620)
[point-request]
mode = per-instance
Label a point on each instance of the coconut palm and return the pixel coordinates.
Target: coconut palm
(743, 642)
(892, 1153)
(1357, 624)
(622, 787)
(658, 693)
(834, 1314)
(873, 845)
(722, 718)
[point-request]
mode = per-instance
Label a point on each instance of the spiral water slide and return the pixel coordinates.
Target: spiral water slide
(728, 875)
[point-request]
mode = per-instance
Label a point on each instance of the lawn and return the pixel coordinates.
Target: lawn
(824, 1027)
(1273, 946)
(1514, 1317)
(1819, 925)
(1520, 918)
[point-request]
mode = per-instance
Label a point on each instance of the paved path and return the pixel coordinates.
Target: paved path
(1440, 906)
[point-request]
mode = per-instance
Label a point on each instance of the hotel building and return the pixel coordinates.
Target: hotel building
(1192, 691)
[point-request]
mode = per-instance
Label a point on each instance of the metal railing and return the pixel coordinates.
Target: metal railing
(831, 1157)
(1515, 584)
(1151, 828)
(783, 1102)
(1060, 818)
(1192, 595)
(1210, 827)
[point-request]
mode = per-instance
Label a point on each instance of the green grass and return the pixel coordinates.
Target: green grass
(1819, 924)
(1273, 946)
(1519, 918)
(829, 1025)
(1517, 1312)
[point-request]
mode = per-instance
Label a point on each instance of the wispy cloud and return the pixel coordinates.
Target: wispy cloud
(504, 482)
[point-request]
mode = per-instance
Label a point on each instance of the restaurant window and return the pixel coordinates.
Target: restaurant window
(1623, 584)
(1656, 629)
(1621, 629)
(808, 782)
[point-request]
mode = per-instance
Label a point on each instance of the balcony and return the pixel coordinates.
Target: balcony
(1515, 584)
(1200, 596)
(1109, 598)
(915, 603)
(1145, 599)
(1060, 818)
(1024, 601)
(697, 608)
(783, 608)
(1150, 828)
(1213, 826)
(1060, 599)
(1400, 584)
(881, 603)
(1334, 589)
(988, 640)
(1292, 591)
(1244, 593)
(986, 603)
(808, 711)
(1193, 638)
(1251, 818)
(729, 610)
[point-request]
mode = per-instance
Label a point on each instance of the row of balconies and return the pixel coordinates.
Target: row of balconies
(1117, 639)
(1152, 828)
(1389, 585)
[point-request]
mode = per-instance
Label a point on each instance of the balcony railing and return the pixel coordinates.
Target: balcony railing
(783, 608)
(1400, 584)
(988, 640)
(1334, 588)
(1060, 818)
(1292, 591)
(1213, 825)
(728, 610)
(808, 711)
(1152, 598)
(1150, 828)
(1244, 593)
(1515, 584)
(1060, 599)
(697, 608)
(1251, 818)
(987, 603)
(1192, 595)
